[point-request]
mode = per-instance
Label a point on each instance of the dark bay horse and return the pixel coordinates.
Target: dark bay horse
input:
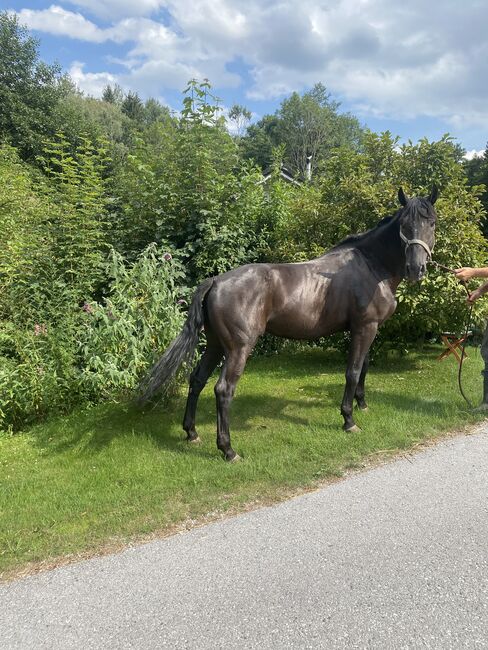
(352, 287)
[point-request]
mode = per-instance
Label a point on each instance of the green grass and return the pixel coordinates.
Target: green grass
(108, 474)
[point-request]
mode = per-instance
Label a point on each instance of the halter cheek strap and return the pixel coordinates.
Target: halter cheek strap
(409, 242)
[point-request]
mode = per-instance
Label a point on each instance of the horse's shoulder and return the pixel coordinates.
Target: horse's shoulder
(338, 257)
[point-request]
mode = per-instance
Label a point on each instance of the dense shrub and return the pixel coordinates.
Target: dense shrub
(38, 372)
(96, 350)
(138, 318)
(184, 184)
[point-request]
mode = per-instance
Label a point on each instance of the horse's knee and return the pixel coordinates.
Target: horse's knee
(224, 391)
(352, 375)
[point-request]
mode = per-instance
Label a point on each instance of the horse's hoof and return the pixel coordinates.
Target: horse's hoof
(353, 429)
(194, 441)
(363, 408)
(234, 459)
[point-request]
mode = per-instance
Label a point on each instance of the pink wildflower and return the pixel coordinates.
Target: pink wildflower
(167, 257)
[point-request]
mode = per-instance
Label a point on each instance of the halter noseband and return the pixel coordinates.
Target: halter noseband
(409, 242)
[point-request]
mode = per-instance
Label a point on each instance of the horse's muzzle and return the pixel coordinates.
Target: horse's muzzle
(415, 272)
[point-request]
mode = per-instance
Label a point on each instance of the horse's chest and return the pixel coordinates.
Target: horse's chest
(380, 306)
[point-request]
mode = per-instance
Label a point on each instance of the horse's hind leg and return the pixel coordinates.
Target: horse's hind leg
(360, 387)
(198, 379)
(224, 391)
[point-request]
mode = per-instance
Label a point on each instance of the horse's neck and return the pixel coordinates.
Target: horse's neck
(386, 249)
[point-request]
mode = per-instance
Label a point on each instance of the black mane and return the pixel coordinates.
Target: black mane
(352, 240)
(416, 204)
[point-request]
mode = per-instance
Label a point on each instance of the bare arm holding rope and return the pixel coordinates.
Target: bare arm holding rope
(463, 274)
(468, 272)
(477, 293)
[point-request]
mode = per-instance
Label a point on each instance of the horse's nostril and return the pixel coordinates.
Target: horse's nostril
(407, 268)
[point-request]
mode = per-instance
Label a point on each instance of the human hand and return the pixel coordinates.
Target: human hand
(473, 296)
(464, 273)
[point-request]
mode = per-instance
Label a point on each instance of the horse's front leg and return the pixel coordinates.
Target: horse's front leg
(361, 402)
(361, 339)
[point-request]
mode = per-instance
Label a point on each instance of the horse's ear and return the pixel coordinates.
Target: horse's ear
(402, 197)
(433, 194)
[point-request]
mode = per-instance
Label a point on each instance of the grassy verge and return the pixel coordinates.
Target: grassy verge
(109, 473)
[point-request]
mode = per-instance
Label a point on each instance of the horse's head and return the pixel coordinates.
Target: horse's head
(417, 231)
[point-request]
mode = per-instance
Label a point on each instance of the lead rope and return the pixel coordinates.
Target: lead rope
(468, 324)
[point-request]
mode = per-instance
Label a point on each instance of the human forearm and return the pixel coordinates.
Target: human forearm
(468, 272)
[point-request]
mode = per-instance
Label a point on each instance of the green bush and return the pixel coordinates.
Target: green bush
(96, 350)
(38, 372)
(135, 322)
(184, 184)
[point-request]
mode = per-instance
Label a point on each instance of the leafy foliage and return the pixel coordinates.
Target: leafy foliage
(94, 192)
(477, 173)
(79, 191)
(30, 90)
(184, 184)
(24, 236)
(308, 126)
(138, 318)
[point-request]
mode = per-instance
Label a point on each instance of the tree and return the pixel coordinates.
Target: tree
(260, 140)
(476, 171)
(309, 126)
(113, 94)
(155, 112)
(239, 116)
(133, 107)
(30, 90)
(86, 117)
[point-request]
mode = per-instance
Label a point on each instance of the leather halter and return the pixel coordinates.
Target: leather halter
(409, 242)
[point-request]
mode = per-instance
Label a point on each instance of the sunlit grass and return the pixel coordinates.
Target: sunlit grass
(109, 472)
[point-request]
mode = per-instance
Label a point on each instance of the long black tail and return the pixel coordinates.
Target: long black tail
(180, 350)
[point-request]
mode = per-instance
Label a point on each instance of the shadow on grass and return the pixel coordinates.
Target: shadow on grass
(94, 429)
(312, 361)
(394, 400)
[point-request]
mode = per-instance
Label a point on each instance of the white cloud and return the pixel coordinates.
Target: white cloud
(393, 60)
(469, 155)
(92, 83)
(115, 9)
(56, 20)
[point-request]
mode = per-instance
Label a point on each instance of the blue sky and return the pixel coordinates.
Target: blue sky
(415, 68)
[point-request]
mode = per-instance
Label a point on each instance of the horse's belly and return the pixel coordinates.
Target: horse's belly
(299, 325)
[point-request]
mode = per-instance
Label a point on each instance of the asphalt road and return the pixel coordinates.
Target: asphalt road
(395, 557)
